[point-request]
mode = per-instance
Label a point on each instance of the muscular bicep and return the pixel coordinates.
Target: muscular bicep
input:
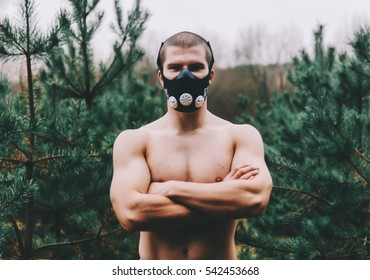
(248, 146)
(130, 178)
(249, 149)
(131, 175)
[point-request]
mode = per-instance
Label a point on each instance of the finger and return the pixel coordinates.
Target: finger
(234, 170)
(249, 175)
(231, 173)
(238, 171)
(244, 171)
(244, 165)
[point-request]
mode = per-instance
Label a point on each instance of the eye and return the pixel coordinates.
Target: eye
(174, 67)
(196, 67)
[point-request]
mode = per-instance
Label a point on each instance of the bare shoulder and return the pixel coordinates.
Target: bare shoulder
(248, 143)
(239, 132)
(130, 141)
(135, 140)
(245, 133)
(248, 137)
(129, 136)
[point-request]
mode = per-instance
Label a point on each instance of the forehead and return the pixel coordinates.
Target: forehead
(185, 55)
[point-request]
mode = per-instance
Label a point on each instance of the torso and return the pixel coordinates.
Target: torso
(204, 156)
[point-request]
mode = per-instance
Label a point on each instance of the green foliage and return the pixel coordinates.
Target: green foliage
(317, 147)
(14, 189)
(77, 59)
(56, 162)
(24, 38)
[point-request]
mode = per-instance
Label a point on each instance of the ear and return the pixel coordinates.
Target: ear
(160, 77)
(211, 76)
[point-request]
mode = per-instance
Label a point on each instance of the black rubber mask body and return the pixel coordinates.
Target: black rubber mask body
(186, 93)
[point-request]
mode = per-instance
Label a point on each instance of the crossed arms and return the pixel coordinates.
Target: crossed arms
(145, 206)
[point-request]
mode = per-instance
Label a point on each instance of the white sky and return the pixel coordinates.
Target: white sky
(222, 21)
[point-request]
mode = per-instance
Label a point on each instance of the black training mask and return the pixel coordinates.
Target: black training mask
(186, 93)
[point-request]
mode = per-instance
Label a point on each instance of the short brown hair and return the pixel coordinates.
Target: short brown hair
(185, 39)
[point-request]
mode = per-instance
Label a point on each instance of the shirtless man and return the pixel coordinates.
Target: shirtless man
(184, 179)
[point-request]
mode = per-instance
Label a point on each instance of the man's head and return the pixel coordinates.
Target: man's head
(185, 62)
(185, 39)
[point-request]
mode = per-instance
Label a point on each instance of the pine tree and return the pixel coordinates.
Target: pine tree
(317, 147)
(24, 41)
(15, 189)
(78, 58)
(63, 211)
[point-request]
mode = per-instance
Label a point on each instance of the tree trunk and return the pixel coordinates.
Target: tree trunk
(28, 236)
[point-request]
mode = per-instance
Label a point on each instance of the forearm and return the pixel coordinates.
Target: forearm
(229, 199)
(147, 212)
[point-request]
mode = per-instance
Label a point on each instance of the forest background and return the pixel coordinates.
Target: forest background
(59, 119)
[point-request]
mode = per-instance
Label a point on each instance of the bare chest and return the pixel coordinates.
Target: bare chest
(205, 157)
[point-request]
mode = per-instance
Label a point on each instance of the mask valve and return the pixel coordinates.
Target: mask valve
(199, 101)
(172, 102)
(186, 99)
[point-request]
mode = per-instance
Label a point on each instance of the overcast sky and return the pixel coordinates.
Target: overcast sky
(224, 22)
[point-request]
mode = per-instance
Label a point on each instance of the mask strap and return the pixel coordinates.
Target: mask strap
(212, 57)
(159, 64)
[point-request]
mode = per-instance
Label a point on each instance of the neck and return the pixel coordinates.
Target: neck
(188, 122)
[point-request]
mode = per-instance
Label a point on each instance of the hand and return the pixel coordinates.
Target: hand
(244, 172)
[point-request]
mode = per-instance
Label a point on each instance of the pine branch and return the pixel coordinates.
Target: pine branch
(292, 168)
(322, 199)
(358, 237)
(252, 243)
(362, 155)
(12, 160)
(358, 171)
(319, 198)
(130, 28)
(10, 56)
(41, 160)
(76, 90)
(6, 30)
(98, 237)
(56, 157)
(102, 83)
(46, 206)
(339, 132)
(13, 220)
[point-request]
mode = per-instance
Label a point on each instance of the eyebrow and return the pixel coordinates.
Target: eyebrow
(196, 64)
(174, 65)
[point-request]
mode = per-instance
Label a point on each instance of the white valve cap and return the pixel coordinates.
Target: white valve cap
(199, 101)
(172, 102)
(186, 99)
